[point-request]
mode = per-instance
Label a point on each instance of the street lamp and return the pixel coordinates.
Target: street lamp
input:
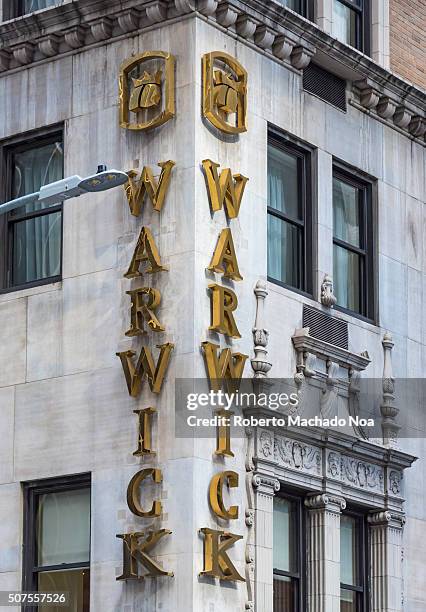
(70, 187)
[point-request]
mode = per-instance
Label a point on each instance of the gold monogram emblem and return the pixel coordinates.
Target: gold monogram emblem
(146, 92)
(224, 92)
(147, 89)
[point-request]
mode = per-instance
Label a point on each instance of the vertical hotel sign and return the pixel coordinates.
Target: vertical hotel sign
(146, 101)
(225, 107)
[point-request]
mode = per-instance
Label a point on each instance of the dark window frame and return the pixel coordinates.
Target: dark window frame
(23, 142)
(304, 154)
(15, 8)
(362, 24)
(32, 490)
(307, 9)
(363, 561)
(300, 576)
(366, 252)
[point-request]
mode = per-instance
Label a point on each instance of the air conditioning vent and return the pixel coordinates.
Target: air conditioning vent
(325, 85)
(325, 327)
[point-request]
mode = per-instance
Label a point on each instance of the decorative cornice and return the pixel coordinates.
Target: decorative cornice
(276, 31)
(304, 343)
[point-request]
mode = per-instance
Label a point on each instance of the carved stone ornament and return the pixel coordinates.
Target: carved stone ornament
(388, 409)
(75, 37)
(333, 465)
(298, 456)
(325, 501)
(156, 12)
(283, 47)
(129, 20)
(328, 298)
(207, 7)
(250, 517)
(264, 37)
(226, 15)
(301, 57)
(417, 126)
(385, 518)
(259, 363)
(266, 484)
(49, 45)
(245, 26)
(266, 445)
(361, 475)
(23, 54)
(4, 60)
(395, 479)
(402, 117)
(101, 28)
(386, 107)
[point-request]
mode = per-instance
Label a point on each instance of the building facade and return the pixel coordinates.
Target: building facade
(273, 227)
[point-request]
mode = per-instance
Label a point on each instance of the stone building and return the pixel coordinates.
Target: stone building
(313, 270)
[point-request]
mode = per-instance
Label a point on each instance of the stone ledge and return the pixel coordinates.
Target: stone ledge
(273, 29)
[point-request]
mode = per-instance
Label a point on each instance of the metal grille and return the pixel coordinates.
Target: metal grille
(325, 327)
(325, 85)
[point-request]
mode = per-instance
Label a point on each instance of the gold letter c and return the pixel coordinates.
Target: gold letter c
(216, 494)
(133, 495)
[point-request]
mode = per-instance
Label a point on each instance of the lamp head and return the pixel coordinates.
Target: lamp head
(106, 179)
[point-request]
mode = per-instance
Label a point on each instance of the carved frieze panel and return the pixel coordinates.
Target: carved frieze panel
(355, 473)
(290, 453)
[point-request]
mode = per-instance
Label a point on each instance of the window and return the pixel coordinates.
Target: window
(288, 555)
(57, 539)
(353, 243)
(353, 563)
(32, 245)
(289, 215)
(303, 7)
(16, 8)
(350, 23)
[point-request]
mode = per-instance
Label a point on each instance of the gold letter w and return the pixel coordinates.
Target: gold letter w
(145, 366)
(226, 189)
(136, 190)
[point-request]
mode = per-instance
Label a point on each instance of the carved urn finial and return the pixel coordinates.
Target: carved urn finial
(388, 410)
(328, 298)
(259, 363)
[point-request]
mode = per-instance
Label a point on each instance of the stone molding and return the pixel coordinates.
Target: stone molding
(284, 35)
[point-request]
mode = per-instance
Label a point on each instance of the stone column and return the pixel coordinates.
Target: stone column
(324, 552)
(386, 561)
(266, 487)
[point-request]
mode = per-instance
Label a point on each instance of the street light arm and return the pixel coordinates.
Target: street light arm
(22, 201)
(71, 187)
